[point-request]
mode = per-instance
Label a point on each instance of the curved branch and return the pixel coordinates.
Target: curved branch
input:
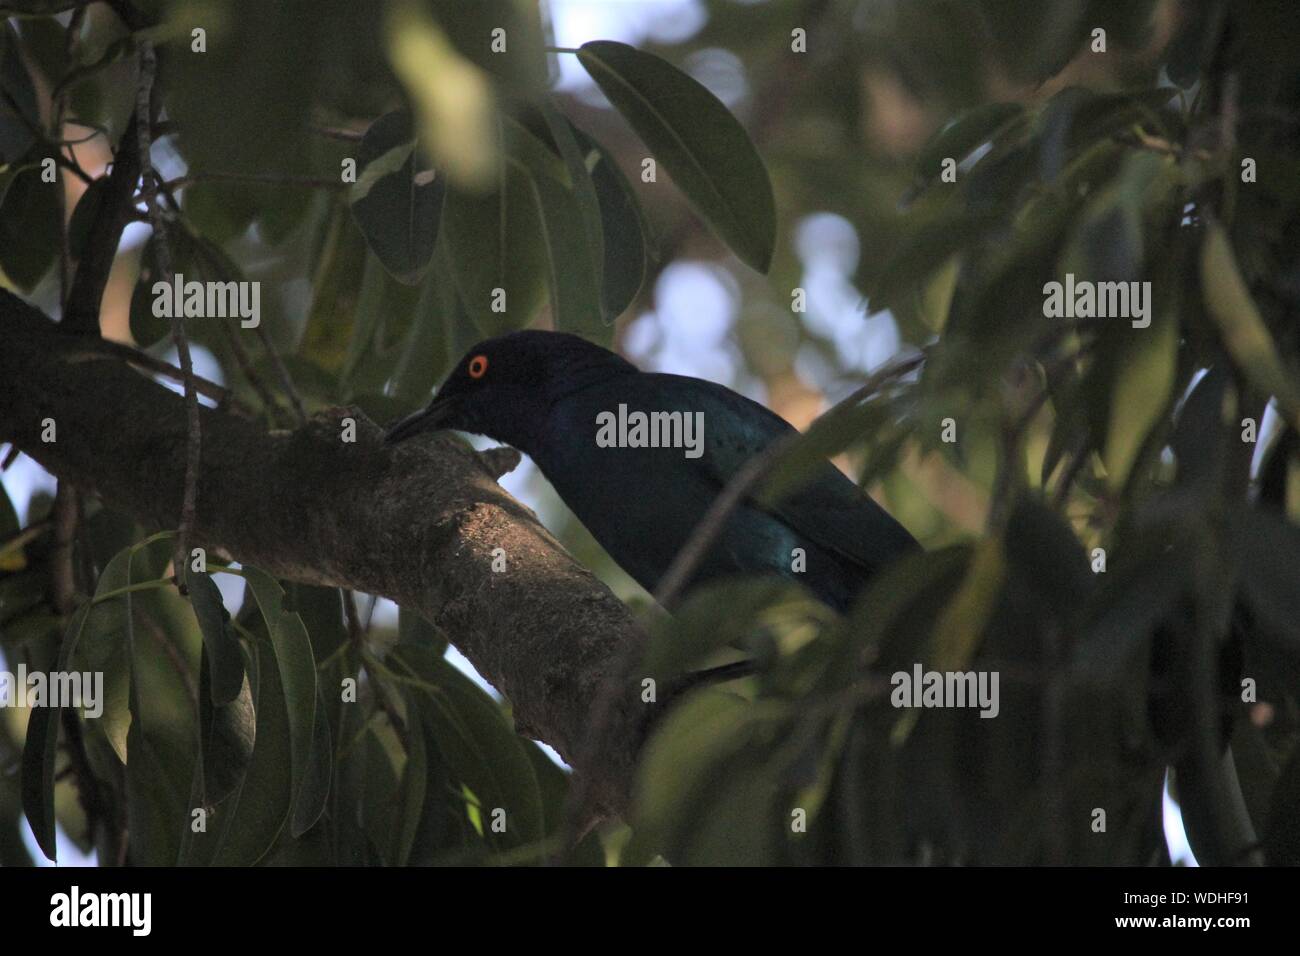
(417, 523)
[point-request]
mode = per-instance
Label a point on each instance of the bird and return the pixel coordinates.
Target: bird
(642, 483)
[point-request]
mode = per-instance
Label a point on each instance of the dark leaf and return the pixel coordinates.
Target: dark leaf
(707, 152)
(480, 748)
(494, 243)
(573, 281)
(227, 737)
(297, 679)
(40, 752)
(220, 645)
(397, 198)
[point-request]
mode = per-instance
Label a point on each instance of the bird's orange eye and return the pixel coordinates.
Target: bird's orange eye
(478, 366)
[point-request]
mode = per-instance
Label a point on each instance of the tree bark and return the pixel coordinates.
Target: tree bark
(417, 523)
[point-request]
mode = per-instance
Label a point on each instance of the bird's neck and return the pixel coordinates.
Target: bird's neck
(580, 374)
(534, 422)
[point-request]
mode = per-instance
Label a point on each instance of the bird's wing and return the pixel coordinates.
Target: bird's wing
(829, 509)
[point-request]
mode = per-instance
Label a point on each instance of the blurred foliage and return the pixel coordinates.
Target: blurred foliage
(1106, 532)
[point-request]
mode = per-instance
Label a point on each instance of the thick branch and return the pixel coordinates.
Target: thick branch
(417, 523)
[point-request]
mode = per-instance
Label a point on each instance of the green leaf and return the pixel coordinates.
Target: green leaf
(479, 746)
(452, 97)
(1194, 41)
(1270, 548)
(930, 238)
(384, 308)
(319, 773)
(1140, 589)
(156, 801)
(411, 792)
(704, 792)
(397, 198)
(956, 140)
(1045, 560)
(553, 781)
(1143, 390)
(250, 825)
(1247, 338)
(840, 428)
(583, 188)
(413, 628)
(321, 610)
(242, 103)
(704, 148)
(113, 52)
(521, 64)
(227, 737)
(297, 674)
(243, 829)
(377, 758)
(493, 242)
(8, 173)
(40, 752)
(894, 617)
(219, 643)
(959, 630)
(729, 613)
(623, 229)
(88, 207)
(574, 284)
(29, 228)
(16, 135)
(424, 356)
(111, 627)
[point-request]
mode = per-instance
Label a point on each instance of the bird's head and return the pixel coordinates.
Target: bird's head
(504, 387)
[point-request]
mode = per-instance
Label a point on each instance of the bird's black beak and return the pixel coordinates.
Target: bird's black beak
(427, 419)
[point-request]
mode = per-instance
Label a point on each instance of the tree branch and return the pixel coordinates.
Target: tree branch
(416, 523)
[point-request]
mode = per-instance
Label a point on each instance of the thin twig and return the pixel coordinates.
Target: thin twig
(44, 139)
(240, 353)
(104, 349)
(282, 372)
(245, 363)
(162, 256)
(357, 638)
